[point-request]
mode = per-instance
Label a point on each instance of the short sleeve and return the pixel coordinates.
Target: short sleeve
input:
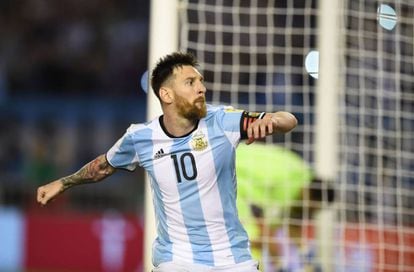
(123, 154)
(238, 120)
(230, 119)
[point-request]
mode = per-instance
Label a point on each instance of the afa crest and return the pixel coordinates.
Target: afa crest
(199, 141)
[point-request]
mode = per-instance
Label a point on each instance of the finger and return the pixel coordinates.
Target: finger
(44, 200)
(263, 129)
(270, 128)
(249, 132)
(256, 132)
(40, 194)
(249, 141)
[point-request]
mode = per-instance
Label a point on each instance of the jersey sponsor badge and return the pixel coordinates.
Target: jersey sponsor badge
(231, 109)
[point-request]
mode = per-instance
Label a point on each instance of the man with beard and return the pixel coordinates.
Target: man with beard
(189, 154)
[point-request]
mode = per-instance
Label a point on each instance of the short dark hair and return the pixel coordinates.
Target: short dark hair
(165, 67)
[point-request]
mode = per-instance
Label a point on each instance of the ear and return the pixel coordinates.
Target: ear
(166, 95)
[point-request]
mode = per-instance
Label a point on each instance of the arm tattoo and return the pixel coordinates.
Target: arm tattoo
(94, 171)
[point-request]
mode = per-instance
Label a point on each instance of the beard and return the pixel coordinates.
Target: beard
(191, 111)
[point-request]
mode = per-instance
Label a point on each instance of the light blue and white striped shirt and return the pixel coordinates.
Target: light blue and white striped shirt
(193, 183)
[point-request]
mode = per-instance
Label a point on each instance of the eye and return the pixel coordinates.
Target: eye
(189, 82)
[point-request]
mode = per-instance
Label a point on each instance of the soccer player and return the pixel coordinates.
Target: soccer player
(189, 154)
(269, 179)
(272, 182)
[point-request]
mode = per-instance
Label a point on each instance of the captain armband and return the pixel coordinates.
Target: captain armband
(246, 119)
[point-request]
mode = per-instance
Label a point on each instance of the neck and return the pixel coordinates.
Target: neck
(178, 126)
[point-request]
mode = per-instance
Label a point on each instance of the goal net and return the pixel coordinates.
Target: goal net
(262, 55)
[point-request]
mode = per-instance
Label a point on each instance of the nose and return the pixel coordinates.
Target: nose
(201, 88)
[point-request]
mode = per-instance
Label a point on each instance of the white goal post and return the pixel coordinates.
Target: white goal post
(163, 40)
(326, 120)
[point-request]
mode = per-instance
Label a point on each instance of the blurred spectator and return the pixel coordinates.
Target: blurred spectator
(89, 52)
(40, 163)
(11, 153)
(73, 47)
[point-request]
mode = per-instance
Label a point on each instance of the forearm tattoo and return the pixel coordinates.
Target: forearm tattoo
(94, 171)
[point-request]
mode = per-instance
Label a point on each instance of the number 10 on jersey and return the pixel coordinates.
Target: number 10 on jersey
(185, 166)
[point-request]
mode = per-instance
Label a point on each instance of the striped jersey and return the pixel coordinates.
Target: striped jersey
(193, 183)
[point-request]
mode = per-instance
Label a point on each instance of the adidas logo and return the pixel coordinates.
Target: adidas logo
(160, 153)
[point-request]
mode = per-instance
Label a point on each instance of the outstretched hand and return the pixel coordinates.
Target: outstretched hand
(49, 191)
(94, 171)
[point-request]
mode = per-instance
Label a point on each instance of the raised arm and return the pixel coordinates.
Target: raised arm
(277, 122)
(94, 171)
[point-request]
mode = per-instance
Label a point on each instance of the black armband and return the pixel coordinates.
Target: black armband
(246, 119)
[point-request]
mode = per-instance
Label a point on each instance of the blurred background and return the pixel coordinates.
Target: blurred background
(70, 84)
(69, 87)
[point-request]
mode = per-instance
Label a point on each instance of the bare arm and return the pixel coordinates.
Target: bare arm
(94, 171)
(277, 122)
